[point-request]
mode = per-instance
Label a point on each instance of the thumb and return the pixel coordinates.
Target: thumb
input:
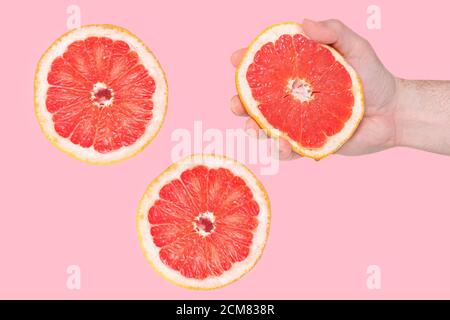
(335, 33)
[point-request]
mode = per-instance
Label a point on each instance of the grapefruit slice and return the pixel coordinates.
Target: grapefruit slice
(300, 90)
(203, 222)
(100, 94)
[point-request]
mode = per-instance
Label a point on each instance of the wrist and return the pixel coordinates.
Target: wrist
(397, 113)
(421, 115)
(406, 116)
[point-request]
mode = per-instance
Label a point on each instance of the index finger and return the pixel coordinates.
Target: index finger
(237, 56)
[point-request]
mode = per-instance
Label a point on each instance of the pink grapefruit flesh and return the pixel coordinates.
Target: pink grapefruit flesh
(300, 90)
(100, 94)
(203, 223)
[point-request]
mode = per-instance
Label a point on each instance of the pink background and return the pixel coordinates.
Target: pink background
(331, 219)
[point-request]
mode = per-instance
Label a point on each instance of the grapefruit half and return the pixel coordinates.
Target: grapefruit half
(203, 223)
(100, 94)
(300, 90)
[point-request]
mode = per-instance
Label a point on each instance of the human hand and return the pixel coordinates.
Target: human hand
(377, 130)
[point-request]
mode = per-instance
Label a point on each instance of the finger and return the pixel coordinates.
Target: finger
(285, 149)
(252, 128)
(237, 56)
(236, 106)
(292, 156)
(335, 33)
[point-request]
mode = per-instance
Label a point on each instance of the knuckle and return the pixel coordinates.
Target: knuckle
(336, 24)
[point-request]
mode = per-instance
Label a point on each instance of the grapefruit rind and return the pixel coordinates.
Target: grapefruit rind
(334, 142)
(239, 269)
(147, 58)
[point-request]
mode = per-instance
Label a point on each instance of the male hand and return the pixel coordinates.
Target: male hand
(377, 130)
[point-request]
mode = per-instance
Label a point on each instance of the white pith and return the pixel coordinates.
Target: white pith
(208, 215)
(300, 89)
(98, 86)
(147, 59)
(333, 142)
(260, 234)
